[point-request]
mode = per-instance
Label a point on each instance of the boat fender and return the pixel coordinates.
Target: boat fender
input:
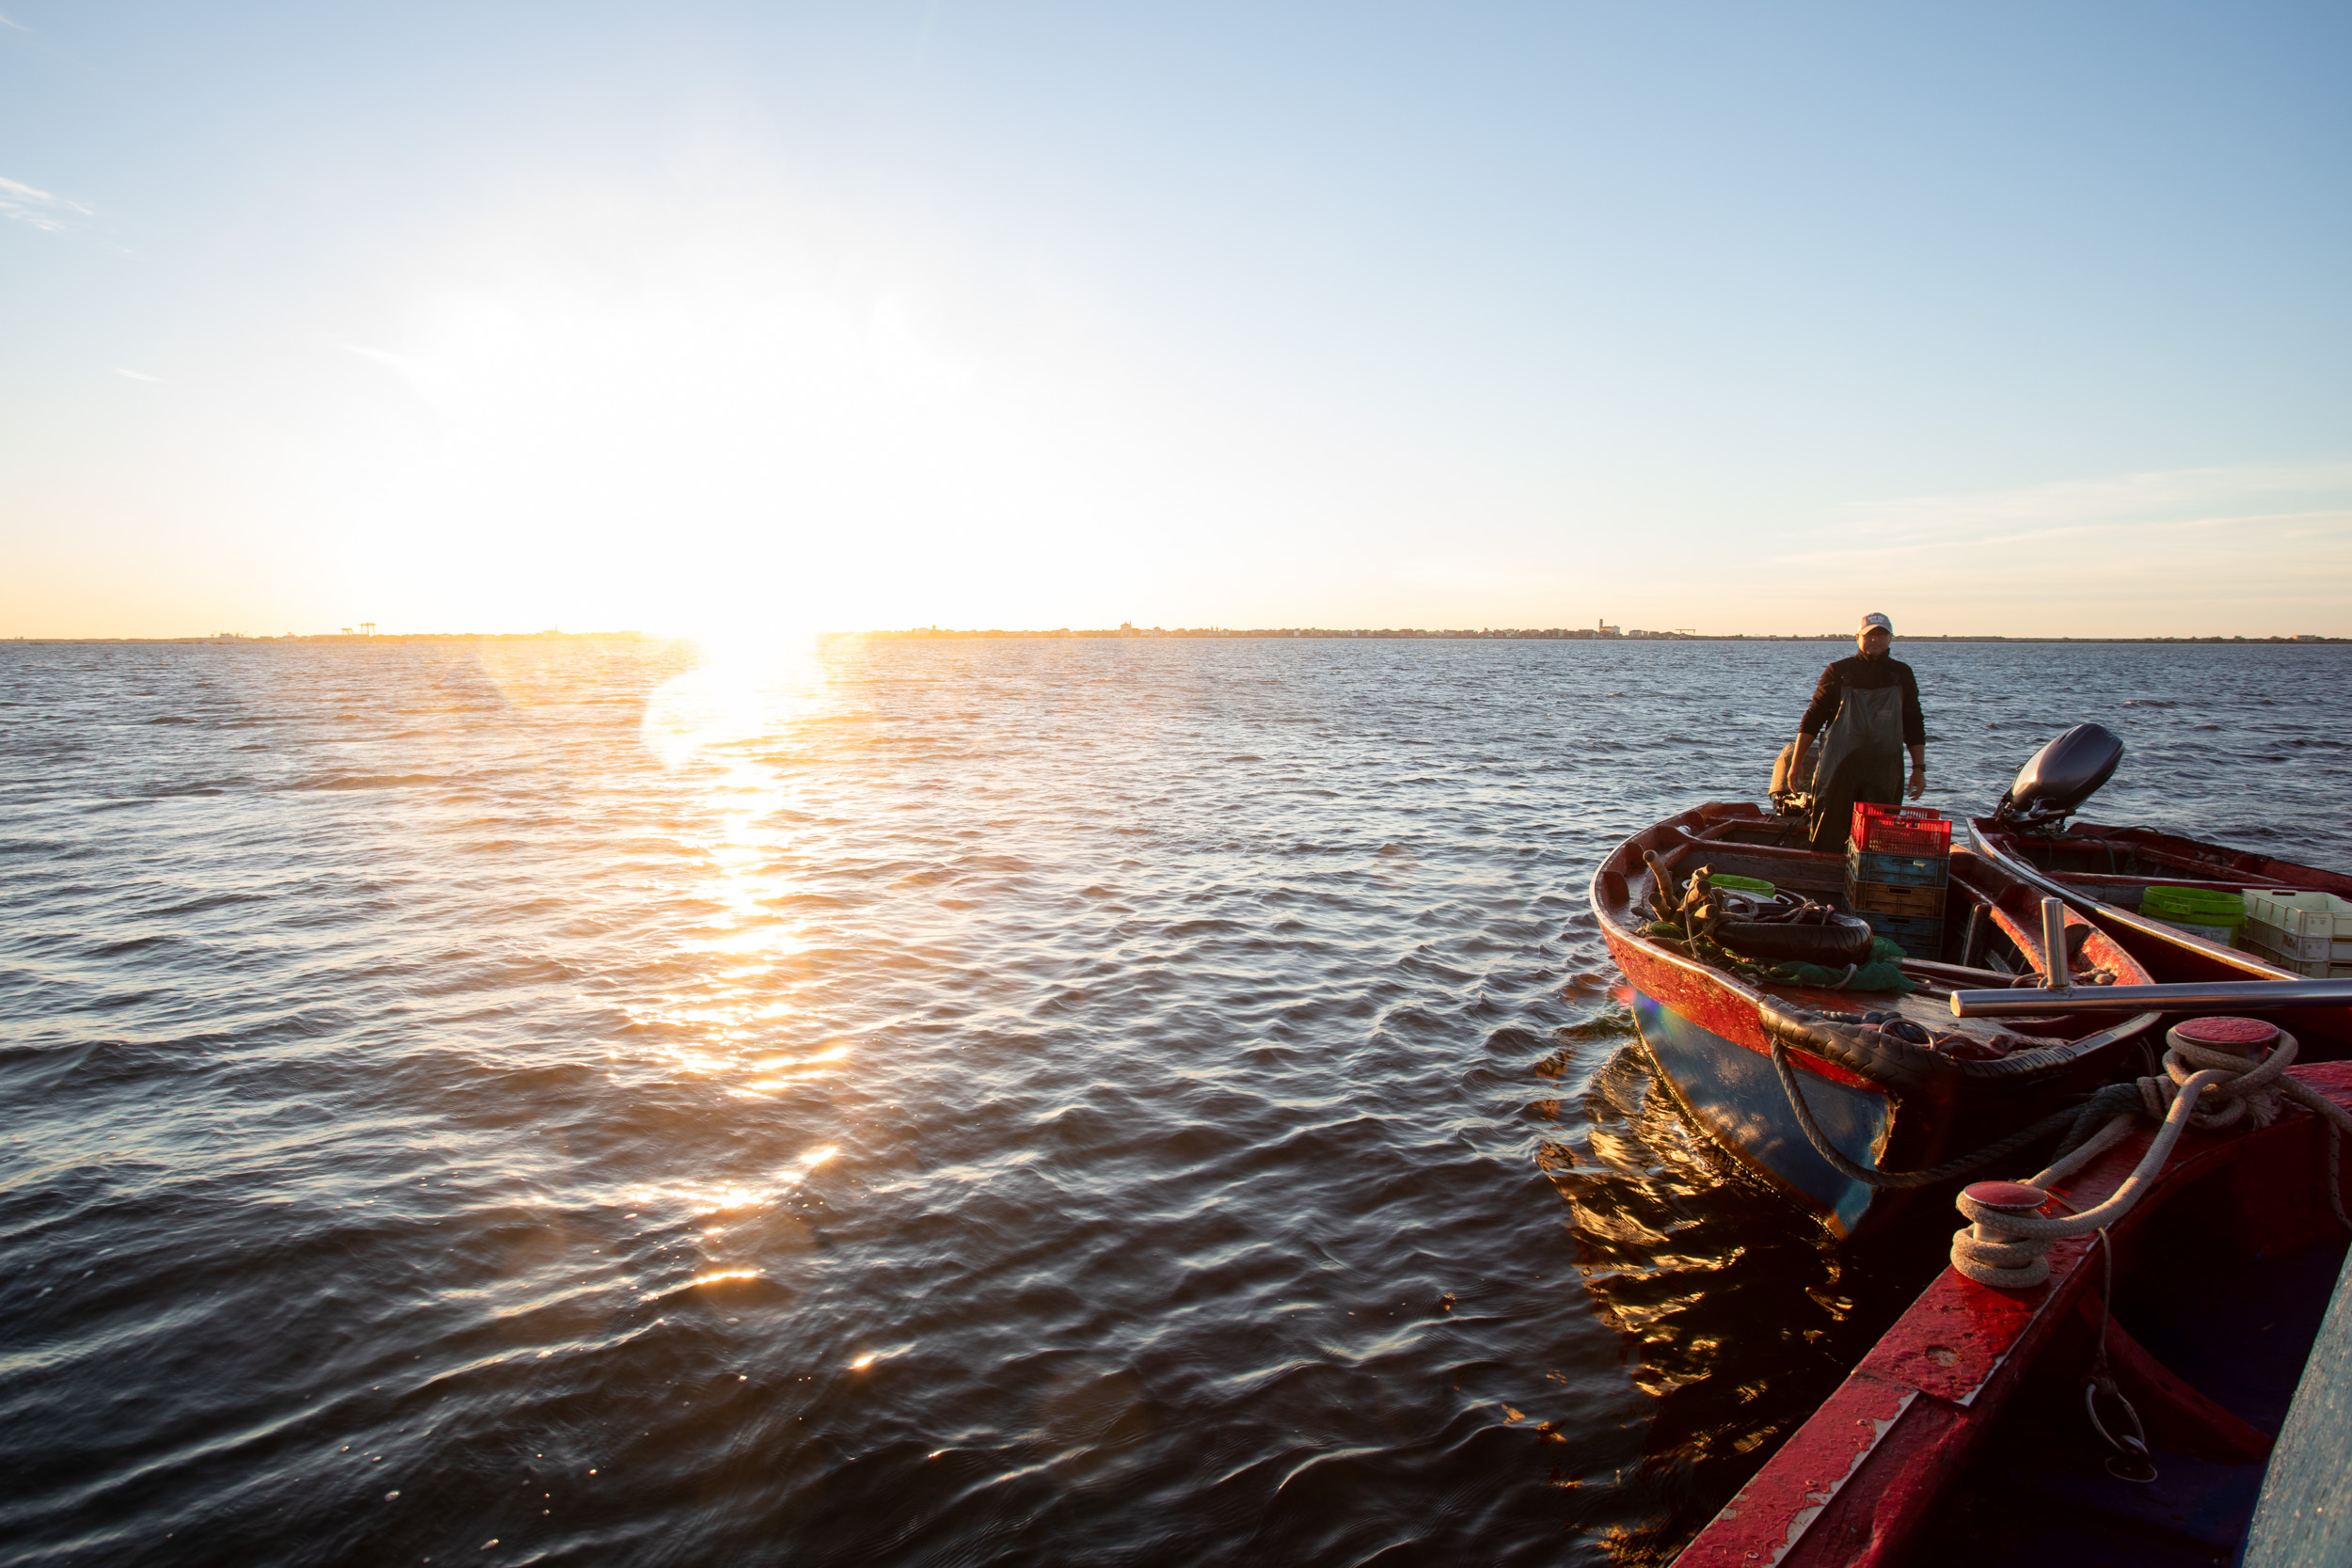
(1952, 1042)
(1779, 928)
(1875, 1032)
(1893, 1057)
(1839, 938)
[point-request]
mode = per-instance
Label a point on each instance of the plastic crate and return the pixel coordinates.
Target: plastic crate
(2305, 916)
(1901, 829)
(2272, 940)
(1918, 937)
(2224, 908)
(1865, 866)
(1892, 899)
(2315, 969)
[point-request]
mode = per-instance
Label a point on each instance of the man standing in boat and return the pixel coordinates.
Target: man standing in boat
(1871, 705)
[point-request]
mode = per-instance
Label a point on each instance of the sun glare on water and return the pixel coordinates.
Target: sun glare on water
(747, 682)
(719, 729)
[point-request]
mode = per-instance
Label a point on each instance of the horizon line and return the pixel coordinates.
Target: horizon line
(1126, 632)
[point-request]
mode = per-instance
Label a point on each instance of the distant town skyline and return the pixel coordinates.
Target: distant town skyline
(759, 321)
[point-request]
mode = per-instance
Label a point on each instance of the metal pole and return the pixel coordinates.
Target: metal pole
(2251, 996)
(2055, 974)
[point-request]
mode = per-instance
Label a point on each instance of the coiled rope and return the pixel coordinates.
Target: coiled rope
(2205, 1086)
(1901, 1178)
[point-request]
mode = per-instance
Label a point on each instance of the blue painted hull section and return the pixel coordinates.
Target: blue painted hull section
(1738, 1095)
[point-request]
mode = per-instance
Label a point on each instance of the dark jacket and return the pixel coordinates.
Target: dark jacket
(1865, 674)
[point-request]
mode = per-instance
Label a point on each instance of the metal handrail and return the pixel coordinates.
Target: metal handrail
(2260, 997)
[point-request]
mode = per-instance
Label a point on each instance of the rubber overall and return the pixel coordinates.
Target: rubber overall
(1861, 759)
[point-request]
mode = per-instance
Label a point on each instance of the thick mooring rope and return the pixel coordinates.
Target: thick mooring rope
(2204, 1088)
(1900, 1179)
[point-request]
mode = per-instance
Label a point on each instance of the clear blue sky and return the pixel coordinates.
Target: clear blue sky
(2006, 319)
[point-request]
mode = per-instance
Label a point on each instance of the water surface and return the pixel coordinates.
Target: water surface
(1086, 1102)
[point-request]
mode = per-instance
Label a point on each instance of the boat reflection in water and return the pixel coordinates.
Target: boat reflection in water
(1737, 1313)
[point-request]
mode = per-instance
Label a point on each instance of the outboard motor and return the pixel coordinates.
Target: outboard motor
(2060, 778)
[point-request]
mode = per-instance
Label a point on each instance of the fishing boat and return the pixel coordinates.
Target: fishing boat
(2171, 1392)
(2111, 872)
(1850, 1102)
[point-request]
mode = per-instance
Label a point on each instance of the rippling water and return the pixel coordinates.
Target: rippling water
(989, 1102)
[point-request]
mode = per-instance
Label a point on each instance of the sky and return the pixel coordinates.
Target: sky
(738, 320)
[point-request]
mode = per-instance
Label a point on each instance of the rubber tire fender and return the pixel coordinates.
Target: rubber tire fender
(1843, 941)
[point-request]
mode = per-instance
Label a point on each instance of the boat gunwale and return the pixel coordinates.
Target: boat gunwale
(1987, 841)
(2205, 853)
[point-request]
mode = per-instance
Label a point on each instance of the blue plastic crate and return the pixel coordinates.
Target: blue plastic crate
(1869, 865)
(1917, 935)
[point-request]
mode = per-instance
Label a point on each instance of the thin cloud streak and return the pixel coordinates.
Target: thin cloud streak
(2190, 551)
(40, 208)
(2216, 495)
(2133, 541)
(137, 375)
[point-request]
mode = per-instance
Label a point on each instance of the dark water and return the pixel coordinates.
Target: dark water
(1017, 1102)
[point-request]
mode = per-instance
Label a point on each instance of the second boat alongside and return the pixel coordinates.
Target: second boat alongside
(2122, 1411)
(2110, 873)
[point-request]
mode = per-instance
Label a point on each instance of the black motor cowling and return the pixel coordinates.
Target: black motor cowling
(2061, 776)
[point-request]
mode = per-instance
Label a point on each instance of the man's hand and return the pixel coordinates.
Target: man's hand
(1918, 780)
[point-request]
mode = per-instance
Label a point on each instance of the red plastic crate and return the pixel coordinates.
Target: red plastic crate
(1900, 830)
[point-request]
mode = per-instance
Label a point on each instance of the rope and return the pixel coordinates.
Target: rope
(2008, 1246)
(1900, 1179)
(2254, 1092)
(2101, 1108)
(2130, 1461)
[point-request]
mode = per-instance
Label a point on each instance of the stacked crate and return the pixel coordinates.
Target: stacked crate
(2306, 933)
(2211, 912)
(1897, 864)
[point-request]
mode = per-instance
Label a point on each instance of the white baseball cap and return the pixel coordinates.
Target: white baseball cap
(1875, 619)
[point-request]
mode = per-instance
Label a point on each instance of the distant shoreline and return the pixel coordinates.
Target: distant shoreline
(930, 634)
(1555, 634)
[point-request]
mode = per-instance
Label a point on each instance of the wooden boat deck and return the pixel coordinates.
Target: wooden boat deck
(2041, 1497)
(2305, 1511)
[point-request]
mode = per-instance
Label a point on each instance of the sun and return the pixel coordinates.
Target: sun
(750, 678)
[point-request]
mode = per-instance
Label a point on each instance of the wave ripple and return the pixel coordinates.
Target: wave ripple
(1074, 1103)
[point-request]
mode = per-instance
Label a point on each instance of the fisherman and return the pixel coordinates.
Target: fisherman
(1871, 705)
